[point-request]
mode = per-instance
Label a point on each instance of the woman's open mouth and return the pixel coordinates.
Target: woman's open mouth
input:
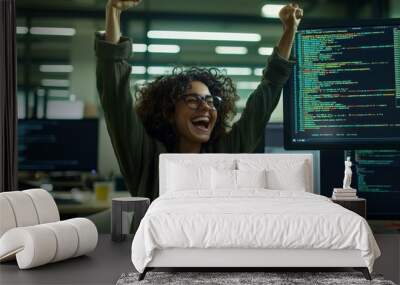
(201, 123)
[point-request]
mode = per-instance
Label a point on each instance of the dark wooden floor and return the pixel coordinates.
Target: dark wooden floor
(106, 264)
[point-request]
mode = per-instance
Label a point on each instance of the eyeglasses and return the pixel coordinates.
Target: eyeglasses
(193, 101)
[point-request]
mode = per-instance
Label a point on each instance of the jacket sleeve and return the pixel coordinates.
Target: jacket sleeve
(247, 132)
(131, 143)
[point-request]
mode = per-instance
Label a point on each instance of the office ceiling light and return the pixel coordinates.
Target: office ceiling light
(139, 47)
(156, 48)
(140, 82)
(59, 93)
(164, 48)
(271, 10)
(157, 70)
(247, 85)
(55, 68)
(136, 69)
(265, 50)
(50, 31)
(205, 36)
(230, 50)
(236, 70)
(22, 30)
(55, 82)
(258, 71)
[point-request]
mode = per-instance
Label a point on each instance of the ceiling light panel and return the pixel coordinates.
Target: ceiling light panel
(139, 47)
(236, 70)
(55, 82)
(230, 50)
(206, 36)
(159, 70)
(265, 50)
(22, 30)
(271, 10)
(56, 68)
(247, 85)
(164, 48)
(138, 69)
(52, 31)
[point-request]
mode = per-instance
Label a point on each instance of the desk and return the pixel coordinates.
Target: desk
(89, 207)
(102, 266)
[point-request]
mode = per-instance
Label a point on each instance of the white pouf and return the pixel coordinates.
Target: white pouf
(45, 205)
(23, 208)
(40, 244)
(32, 233)
(7, 218)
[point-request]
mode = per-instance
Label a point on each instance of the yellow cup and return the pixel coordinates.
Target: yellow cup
(102, 190)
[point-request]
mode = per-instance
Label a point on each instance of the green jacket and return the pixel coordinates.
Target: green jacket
(136, 151)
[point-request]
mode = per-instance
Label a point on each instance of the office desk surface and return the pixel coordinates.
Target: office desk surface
(89, 207)
(102, 266)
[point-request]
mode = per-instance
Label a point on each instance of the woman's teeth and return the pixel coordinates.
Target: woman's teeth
(204, 119)
(201, 125)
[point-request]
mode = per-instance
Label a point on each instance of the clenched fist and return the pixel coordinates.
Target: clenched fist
(122, 5)
(113, 12)
(290, 16)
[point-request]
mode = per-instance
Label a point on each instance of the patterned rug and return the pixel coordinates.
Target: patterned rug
(243, 278)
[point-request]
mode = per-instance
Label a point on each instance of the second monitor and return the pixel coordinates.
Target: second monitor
(58, 145)
(344, 92)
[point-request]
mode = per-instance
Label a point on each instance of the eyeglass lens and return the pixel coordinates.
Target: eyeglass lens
(194, 101)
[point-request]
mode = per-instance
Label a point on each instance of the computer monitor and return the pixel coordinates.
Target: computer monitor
(57, 145)
(375, 176)
(344, 91)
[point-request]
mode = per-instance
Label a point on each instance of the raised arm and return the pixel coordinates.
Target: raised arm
(132, 145)
(290, 16)
(113, 13)
(247, 132)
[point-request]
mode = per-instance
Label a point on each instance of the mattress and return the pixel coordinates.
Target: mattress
(251, 219)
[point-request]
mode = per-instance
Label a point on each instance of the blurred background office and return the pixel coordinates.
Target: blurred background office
(71, 151)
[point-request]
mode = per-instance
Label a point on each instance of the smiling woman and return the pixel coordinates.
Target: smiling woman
(187, 111)
(187, 108)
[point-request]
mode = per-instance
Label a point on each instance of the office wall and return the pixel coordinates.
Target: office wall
(78, 50)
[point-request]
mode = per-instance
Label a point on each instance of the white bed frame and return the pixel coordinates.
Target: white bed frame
(250, 258)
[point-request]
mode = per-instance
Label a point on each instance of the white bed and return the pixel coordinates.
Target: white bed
(203, 220)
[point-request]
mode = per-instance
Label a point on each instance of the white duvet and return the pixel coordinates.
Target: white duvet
(253, 218)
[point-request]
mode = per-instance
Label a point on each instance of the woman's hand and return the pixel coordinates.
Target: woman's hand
(122, 5)
(290, 16)
(113, 12)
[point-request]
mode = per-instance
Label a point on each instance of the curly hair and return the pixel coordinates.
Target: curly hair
(155, 101)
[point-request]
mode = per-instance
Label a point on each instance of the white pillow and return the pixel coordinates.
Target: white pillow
(181, 177)
(251, 178)
(227, 179)
(282, 174)
(223, 179)
(292, 181)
